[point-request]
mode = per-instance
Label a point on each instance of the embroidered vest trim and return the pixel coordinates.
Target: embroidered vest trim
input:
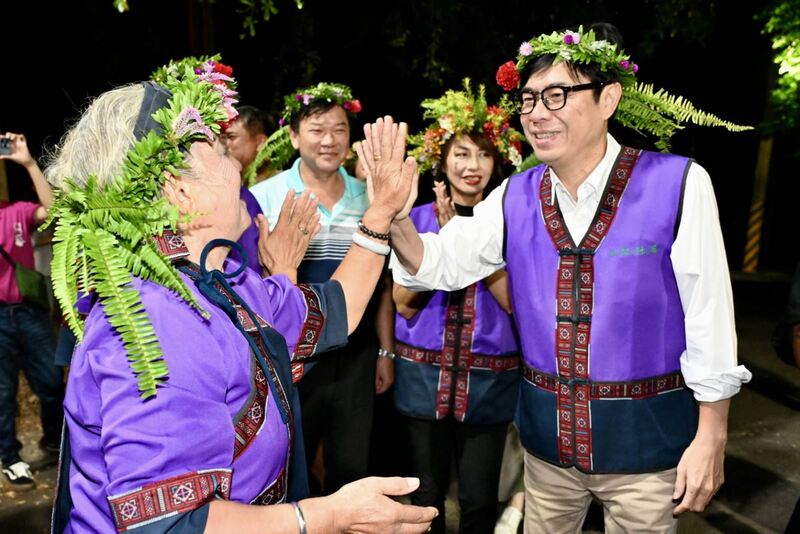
(574, 301)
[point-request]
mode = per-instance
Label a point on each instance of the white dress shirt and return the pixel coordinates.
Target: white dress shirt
(469, 249)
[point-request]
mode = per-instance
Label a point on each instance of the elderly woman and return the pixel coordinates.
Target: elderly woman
(212, 427)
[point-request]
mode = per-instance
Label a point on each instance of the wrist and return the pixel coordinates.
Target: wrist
(386, 353)
(378, 218)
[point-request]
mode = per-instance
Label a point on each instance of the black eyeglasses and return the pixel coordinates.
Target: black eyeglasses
(553, 98)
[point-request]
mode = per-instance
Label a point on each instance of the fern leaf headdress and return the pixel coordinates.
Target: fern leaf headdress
(642, 108)
(277, 150)
(462, 112)
(104, 235)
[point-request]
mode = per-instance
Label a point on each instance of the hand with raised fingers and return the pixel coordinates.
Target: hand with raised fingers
(444, 206)
(281, 250)
(391, 177)
(366, 506)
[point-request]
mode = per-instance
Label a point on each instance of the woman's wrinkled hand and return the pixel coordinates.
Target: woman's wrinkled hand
(391, 177)
(366, 506)
(281, 250)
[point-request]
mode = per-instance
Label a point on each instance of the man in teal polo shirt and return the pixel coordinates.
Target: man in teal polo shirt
(337, 393)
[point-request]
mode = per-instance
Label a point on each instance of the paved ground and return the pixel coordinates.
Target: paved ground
(762, 465)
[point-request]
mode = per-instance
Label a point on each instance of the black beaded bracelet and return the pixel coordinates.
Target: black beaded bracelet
(373, 234)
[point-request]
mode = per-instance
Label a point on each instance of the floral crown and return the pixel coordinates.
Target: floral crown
(642, 108)
(336, 93)
(104, 234)
(277, 150)
(462, 112)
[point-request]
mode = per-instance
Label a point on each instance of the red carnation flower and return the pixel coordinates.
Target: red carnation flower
(355, 106)
(507, 76)
(223, 69)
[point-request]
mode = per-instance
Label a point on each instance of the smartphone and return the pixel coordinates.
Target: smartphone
(5, 146)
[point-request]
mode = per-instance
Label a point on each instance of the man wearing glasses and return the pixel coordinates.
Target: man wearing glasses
(620, 289)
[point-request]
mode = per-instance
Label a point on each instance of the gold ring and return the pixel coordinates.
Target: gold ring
(302, 229)
(376, 157)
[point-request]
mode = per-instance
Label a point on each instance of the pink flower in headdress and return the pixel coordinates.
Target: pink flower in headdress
(209, 73)
(572, 38)
(526, 49)
(190, 122)
(306, 100)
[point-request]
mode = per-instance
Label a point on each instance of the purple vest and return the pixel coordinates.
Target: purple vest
(601, 320)
(459, 354)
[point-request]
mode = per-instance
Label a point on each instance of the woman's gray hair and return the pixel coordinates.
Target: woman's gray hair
(99, 142)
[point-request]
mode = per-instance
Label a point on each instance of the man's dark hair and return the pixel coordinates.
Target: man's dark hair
(602, 30)
(316, 107)
(254, 119)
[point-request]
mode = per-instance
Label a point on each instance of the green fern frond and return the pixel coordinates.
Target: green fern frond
(276, 152)
(681, 109)
(125, 312)
(66, 240)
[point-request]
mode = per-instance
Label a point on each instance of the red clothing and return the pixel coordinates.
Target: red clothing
(16, 224)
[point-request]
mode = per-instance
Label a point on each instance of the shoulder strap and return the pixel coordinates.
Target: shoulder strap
(7, 256)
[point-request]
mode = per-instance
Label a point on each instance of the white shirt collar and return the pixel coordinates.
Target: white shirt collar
(597, 179)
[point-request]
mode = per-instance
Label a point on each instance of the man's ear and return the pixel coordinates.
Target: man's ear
(260, 140)
(295, 138)
(609, 99)
(178, 192)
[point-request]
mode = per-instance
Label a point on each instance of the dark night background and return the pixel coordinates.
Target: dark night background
(394, 54)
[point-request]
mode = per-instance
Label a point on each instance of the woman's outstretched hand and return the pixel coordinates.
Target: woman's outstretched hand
(391, 177)
(366, 506)
(281, 250)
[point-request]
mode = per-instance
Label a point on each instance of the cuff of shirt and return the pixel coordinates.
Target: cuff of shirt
(712, 386)
(418, 282)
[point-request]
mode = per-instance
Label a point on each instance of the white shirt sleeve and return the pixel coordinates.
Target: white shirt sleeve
(466, 250)
(709, 364)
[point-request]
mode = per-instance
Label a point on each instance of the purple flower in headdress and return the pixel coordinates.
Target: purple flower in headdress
(190, 122)
(346, 106)
(635, 68)
(281, 121)
(298, 97)
(572, 38)
(526, 49)
(625, 64)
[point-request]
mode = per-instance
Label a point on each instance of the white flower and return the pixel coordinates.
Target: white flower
(514, 156)
(446, 122)
(526, 49)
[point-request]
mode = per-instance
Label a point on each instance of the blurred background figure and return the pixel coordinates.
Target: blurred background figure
(26, 334)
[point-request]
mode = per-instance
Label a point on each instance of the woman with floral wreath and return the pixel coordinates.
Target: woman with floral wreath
(457, 366)
(212, 427)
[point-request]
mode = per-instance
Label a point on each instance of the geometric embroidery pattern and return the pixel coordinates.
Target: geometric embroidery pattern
(312, 326)
(634, 390)
(574, 301)
(456, 359)
(169, 497)
(275, 493)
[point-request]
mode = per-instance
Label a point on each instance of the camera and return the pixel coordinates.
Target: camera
(5, 145)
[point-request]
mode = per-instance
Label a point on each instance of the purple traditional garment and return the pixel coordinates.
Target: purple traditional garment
(213, 429)
(603, 324)
(459, 354)
(249, 239)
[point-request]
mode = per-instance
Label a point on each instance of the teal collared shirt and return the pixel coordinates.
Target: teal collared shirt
(329, 246)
